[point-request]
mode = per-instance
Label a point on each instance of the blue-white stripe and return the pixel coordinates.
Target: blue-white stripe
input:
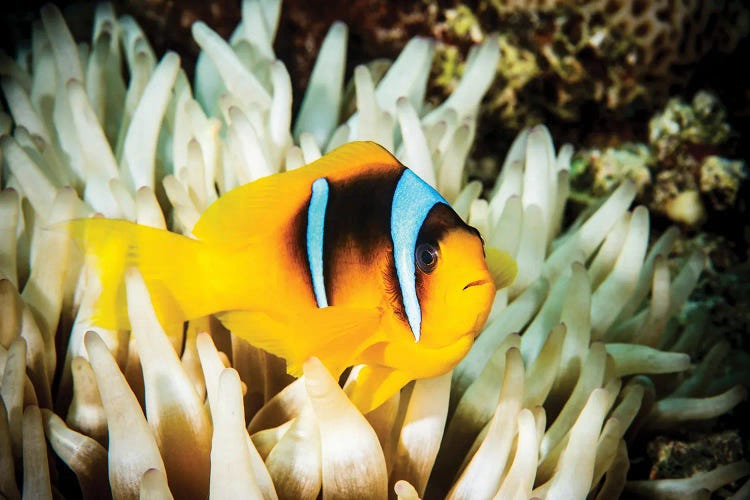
(412, 201)
(316, 216)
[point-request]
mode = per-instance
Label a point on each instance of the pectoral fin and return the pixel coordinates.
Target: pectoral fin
(502, 267)
(336, 335)
(375, 385)
(259, 328)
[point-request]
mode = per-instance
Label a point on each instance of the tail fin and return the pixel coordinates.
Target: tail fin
(173, 266)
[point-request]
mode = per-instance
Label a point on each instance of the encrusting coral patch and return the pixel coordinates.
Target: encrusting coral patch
(682, 173)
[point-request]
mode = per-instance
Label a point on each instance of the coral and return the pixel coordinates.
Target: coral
(595, 173)
(679, 174)
(675, 458)
(720, 180)
(682, 125)
(686, 138)
(684, 207)
(611, 52)
(586, 349)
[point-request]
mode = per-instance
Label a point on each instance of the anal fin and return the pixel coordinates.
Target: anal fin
(336, 335)
(374, 385)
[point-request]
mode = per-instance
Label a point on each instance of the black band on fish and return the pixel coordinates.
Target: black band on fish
(358, 229)
(316, 215)
(412, 201)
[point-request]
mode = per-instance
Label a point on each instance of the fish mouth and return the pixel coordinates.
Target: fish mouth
(477, 283)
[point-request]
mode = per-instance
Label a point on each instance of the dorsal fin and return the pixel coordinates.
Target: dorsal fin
(268, 204)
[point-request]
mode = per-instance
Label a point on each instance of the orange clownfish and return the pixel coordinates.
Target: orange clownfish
(352, 258)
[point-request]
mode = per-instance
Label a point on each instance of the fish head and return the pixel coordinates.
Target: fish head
(454, 285)
(454, 288)
(444, 282)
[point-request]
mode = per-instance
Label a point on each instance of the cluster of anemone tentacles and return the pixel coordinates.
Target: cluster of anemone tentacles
(544, 404)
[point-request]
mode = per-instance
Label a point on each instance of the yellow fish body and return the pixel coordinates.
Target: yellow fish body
(351, 258)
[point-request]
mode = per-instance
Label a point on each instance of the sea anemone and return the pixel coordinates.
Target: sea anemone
(580, 353)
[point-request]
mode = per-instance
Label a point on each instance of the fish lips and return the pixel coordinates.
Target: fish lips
(478, 282)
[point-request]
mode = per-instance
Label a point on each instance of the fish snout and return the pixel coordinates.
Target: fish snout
(479, 291)
(478, 278)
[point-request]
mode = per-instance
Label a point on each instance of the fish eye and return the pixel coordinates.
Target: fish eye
(426, 257)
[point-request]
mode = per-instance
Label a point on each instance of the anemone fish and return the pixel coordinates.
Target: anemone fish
(351, 258)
